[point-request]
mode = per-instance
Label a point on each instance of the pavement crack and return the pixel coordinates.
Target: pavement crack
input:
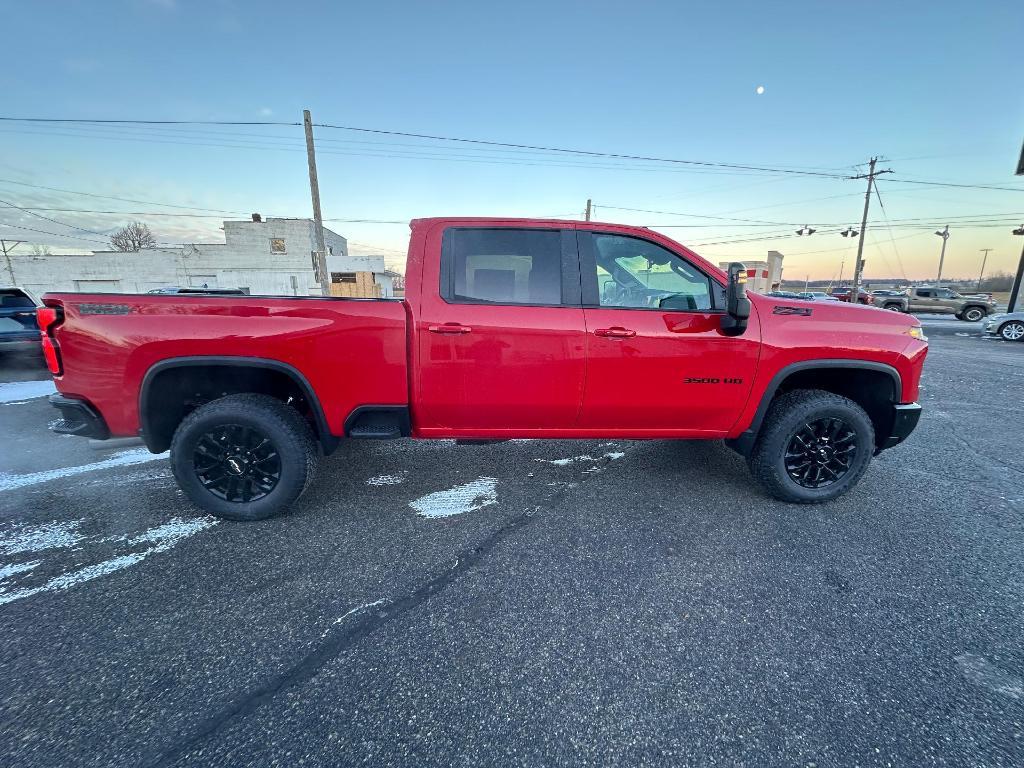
(339, 640)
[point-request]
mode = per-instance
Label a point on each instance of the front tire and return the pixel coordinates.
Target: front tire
(1012, 331)
(972, 314)
(244, 457)
(813, 446)
(894, 307)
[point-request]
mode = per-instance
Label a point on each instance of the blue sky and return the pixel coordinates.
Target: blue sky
(934, 87)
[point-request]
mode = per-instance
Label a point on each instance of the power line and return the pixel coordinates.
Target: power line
(457, 139)
(30, 212)
(54, 234)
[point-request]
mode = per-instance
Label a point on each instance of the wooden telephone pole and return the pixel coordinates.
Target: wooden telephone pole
(318, 220)
(587, 213)
(858, 266)
(7, 246)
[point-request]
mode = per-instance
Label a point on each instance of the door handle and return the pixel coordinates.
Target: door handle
(616, 332)
(452, 328)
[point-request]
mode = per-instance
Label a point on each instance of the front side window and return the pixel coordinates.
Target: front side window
(503, 266)
(639, 274)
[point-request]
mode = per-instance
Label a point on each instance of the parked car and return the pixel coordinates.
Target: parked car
(18, 328)
(786, 295)
(1009, 325)
(511, 328)
(843, 294)
(816, 296)
(928, 298)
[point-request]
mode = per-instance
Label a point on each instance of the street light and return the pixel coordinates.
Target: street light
(849, 232)
(944, 234)
(806, 230)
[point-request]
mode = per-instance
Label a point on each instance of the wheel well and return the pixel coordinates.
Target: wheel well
(170, 392)
(973, 306)
(873, 390)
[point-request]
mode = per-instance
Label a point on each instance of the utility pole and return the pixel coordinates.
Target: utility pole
(983, 260)
(1015, 290)
(588, 209)
(7, 250)
(944, 234)
(318, 219)
(858, 266)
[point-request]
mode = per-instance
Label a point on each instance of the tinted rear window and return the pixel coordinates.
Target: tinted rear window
(502, 266)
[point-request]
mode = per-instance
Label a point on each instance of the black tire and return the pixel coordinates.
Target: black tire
(252, 426)
(972, 314)
(789, 416)
(1012, 331)
(894, 306)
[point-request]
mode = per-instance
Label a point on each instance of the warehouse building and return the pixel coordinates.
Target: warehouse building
(272, 257)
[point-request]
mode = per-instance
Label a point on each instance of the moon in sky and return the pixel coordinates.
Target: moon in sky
(759, 90)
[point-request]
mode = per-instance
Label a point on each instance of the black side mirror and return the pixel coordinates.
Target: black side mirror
(737, 305)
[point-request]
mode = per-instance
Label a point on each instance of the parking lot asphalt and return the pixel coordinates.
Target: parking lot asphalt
(524, 603)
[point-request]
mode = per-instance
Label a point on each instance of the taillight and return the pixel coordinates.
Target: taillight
(49, 318)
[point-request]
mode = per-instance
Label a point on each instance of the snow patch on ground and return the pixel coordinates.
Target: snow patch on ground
(16, 392)
(160, 539)
(471, 496)
(122, 459)
(613, 455)
(984, 673)
(387, 479)
(358, 609)
(6, 571)
(36, 538)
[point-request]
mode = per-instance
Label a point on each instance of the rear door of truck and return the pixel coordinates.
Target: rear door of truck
(500, 331)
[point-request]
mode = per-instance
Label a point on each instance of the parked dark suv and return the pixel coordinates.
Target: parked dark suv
(18, 329)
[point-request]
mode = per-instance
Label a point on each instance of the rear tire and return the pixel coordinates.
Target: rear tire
(1012, 331)
(972, 314)
(894, 307)
(244, 457)
(813, 446)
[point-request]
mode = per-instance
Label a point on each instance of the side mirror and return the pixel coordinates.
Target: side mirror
(737, 305)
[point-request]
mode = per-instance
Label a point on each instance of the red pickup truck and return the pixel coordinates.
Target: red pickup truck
(510, 328)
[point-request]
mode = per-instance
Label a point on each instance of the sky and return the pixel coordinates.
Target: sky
(934, 88)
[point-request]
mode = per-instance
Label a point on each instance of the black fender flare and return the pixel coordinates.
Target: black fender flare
(327, 440)
(745, 441)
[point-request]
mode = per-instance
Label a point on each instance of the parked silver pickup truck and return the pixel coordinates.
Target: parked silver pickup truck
(928, 298)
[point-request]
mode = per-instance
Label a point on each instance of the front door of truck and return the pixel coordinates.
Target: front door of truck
(500, 334)
(656, 360)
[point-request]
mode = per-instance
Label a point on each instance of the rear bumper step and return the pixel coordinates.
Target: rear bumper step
(78, 418)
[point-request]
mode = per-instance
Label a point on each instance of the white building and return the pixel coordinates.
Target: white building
(272, 256)
(762, 276)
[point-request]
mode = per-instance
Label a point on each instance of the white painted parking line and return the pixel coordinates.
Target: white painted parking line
(123, 459)
(159, 539)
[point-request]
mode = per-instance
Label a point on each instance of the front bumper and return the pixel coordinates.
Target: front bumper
(78, 418)
(904, 420)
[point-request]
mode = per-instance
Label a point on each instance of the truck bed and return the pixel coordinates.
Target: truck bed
(350, 351)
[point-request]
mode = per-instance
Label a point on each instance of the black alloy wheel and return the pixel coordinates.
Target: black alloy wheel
(237, 463)
(821, 452)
